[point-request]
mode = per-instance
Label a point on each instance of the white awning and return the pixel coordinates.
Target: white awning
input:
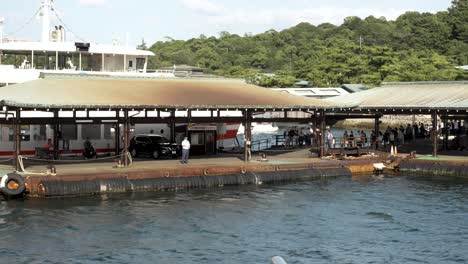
(69, 47)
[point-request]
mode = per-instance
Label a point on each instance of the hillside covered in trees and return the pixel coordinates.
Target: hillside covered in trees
(414, 47)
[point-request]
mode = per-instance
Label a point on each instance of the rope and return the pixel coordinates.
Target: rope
(6, 160)
(73, 161)
(20, 161)
(24, 25)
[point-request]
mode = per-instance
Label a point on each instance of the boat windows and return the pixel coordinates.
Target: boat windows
(69, 132)
(7, 133)
(92, 132)
(197, 139)
(109, 131)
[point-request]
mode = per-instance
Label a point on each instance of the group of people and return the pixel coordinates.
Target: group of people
(358, 139)
(298, 137)
(399, 135)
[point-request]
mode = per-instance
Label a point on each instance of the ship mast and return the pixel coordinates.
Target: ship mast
(46, 7)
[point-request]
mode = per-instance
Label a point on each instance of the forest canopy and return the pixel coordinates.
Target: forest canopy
(414, 47)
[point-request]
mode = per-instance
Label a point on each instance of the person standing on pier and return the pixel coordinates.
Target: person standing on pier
(185, 151)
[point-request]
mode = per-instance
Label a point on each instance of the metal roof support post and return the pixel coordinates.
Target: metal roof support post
(56, 134)
(125, 63)
(434, 134)
(376, 132)
(446, 132)
(323, 127)
(102, 62)
(17, 152)
(56, 60)
(117, 138)
(172, 126)
(247, 137)
(126, 137)
(189, 117)
(79, 64)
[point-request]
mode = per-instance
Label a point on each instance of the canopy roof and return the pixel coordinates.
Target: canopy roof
(98, 92)
(417, 95)
(69, 47)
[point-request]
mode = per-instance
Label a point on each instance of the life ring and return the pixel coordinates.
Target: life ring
(205, 172)
(12, 184)
(243, 170)
(166, 174)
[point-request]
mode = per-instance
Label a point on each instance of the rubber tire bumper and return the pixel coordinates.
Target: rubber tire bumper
(5, 179)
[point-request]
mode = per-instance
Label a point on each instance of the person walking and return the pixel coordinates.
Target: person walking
(185, 151)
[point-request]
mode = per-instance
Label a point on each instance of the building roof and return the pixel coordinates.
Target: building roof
(314, 91)
(354, 88)
(99, 92)
(70, 47)
(417, 95)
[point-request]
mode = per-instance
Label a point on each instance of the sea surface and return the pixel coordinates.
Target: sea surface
(366, 220)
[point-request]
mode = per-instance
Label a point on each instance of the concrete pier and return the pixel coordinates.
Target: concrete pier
(170, 175)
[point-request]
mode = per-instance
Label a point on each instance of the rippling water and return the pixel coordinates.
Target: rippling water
(391, 220)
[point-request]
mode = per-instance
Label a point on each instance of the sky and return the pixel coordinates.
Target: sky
(130, 21)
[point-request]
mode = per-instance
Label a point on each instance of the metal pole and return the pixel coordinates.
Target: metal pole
(322, 135)
(434, 134)
(56, 135)
(102, 62)
(126, 137)
(376, 132)
(17, 140)
(125, 63)
(247, 137)
(172, 126)
(446, 134)
(117, 139)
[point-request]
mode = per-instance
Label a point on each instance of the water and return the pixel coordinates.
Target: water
(390, 220)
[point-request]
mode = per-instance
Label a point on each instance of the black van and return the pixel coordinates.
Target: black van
(154, 145)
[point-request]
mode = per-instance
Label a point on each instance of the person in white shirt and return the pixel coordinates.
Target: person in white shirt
(185, 151)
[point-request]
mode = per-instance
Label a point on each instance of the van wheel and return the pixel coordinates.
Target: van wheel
(155, 154)
(133, 153)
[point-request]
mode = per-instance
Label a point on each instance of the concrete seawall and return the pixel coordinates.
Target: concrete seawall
(457, 169)
(181, 178)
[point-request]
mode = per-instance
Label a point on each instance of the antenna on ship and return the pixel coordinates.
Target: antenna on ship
(2, 21)
(46, 7)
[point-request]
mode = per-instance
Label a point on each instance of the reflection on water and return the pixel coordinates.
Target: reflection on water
(390, 220)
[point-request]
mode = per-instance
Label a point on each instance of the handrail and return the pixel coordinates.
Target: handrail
(266, 142)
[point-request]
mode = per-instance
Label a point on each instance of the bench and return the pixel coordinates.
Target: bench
(44, 153)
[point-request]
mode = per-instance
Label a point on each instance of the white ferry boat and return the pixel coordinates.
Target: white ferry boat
(22, 61)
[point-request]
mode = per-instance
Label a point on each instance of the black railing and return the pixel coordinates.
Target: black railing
(261, 144)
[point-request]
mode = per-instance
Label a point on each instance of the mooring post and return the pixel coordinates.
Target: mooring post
(17, 139)
(247, 136)
(376, 132)
(126, 138)
(434, 134)
(323, 127)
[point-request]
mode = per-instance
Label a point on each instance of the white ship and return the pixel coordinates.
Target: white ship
(22, 61)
